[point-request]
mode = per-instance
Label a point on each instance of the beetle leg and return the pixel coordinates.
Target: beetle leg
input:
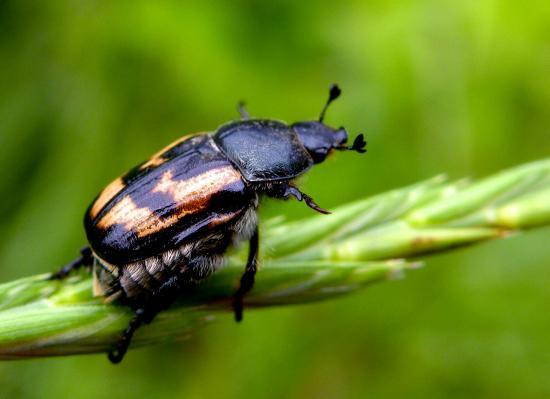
(247, 279)
(117, 354)
(241, 107)
(86, 259)
(294, 192)
(162, 299)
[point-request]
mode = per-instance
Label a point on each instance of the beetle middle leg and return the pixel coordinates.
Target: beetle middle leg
(86, 259)
(247, 279)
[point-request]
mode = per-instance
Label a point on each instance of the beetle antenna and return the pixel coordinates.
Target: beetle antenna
(241, 108)
(333, 94)
(358, 145)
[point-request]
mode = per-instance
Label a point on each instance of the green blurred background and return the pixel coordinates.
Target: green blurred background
(88, 89)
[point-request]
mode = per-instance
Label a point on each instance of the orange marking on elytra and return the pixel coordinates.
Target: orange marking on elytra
(125, 212)
(154, 161)
(190, 195)
(221, 219)
(157, 158)
(197, 187)
(142, 221)
(106, 195)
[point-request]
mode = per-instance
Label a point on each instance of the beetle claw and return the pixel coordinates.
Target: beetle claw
(309, 202)
(300, 196)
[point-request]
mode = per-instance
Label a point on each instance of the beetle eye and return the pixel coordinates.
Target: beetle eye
(340, 136)
(319, 154)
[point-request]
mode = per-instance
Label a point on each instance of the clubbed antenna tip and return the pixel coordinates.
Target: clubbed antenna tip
(358, 145)
(334, 93)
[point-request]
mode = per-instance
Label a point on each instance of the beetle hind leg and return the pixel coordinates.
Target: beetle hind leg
(86, 259)
(162, 298)
(141, 316)
(247, 279)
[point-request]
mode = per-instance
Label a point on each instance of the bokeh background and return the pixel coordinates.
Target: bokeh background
(89, 88)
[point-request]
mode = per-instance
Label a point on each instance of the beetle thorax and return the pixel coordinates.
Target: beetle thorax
(263, 150)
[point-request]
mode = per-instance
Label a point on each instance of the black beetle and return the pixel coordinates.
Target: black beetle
(166, 224)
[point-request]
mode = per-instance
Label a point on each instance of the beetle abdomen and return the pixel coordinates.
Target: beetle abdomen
(195, 261)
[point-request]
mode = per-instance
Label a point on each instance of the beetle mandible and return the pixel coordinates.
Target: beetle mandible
(166, 224)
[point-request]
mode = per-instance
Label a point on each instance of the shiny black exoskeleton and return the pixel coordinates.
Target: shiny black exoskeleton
(167, 223)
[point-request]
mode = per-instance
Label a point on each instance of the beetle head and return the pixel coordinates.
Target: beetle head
(320, 139)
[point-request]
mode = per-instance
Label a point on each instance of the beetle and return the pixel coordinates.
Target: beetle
(165, 225)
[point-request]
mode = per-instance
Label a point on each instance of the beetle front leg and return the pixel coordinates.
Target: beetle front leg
(294, 192)
(247, 279)
(86, 259)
